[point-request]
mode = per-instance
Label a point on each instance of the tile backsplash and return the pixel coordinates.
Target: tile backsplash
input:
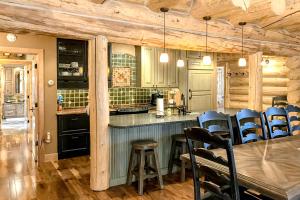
(73, 98)
(125, 60)
(133, 95)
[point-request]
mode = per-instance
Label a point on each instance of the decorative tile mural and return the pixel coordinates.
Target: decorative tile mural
(76, 98)
(121, 77)
(125, 60)
(133, 95)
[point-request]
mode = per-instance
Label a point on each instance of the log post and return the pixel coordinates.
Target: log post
(293, 64)
(99, 115)
(255, 82)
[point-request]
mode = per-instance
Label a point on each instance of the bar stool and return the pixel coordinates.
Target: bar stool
(144, 150)
(178, 142)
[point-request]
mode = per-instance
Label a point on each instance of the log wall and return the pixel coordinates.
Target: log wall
(293, 64)
(236, 81)
(275, 79)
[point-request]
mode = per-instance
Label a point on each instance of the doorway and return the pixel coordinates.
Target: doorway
(19, 97)
(220, 86)
(13, 93)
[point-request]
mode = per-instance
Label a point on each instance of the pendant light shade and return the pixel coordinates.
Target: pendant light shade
(180, 63)
(11, 37)
(242, 60)
(206, 59)
(164, 57)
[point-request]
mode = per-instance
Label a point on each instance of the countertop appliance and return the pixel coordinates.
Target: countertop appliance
(154, 96)
(130, 110)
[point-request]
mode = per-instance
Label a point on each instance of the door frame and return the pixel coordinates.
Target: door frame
(39, 53)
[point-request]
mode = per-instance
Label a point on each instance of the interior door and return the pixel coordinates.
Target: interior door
(200, 83)
(32, 110)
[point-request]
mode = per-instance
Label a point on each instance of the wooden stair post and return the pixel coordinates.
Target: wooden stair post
(255, 82)
(99, 114)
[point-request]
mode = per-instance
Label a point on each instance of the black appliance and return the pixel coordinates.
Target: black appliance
(154, 96)
(132, 110)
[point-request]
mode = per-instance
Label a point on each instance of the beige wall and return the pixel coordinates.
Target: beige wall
(123, 48)
(48, 44)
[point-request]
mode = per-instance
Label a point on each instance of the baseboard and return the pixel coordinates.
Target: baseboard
(51, 157)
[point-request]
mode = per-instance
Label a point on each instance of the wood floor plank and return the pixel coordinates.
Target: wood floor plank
(68, 179)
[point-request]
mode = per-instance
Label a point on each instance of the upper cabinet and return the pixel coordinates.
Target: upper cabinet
(156, 74)
(72, 63)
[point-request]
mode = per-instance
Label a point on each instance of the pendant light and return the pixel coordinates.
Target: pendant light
(180, 63)
(242, 60)
(164, 57)
(206, 58)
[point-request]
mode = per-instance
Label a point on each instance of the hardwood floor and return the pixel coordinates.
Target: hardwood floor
(68, 179)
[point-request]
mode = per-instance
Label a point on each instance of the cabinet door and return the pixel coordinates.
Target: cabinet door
(8, 88)
(8, 75)
(20, 110)
(172, 68)
(200, 83)
(148, 67)
(161, 70)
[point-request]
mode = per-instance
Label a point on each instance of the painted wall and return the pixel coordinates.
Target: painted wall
(48, 44)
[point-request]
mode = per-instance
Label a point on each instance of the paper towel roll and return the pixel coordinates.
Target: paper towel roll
(159, 107)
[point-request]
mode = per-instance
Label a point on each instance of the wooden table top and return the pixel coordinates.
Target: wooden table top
(270, 167)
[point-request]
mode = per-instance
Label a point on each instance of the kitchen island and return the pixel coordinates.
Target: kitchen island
(124, 129)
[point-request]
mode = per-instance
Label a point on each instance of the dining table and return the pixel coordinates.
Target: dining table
(269, 167)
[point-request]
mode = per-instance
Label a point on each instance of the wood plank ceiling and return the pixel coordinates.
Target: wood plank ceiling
(139, 22)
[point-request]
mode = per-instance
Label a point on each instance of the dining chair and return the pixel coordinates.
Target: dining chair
(277, 122)
(216, 123)
(280, 101)
(293, 113)
(216, 185)
(249, 129)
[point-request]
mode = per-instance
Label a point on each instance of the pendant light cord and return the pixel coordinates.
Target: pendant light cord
(242, 41)
(164, 32)
(206, 37)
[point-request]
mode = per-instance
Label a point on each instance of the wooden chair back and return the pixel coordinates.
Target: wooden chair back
(277, 122)
(216, 184)
(216, 123)
(249, 129)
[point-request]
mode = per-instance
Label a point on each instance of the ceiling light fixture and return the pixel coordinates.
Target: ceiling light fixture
(206, 58)
(164, 57)
(242, 60)
(11, 37)
(180, 63)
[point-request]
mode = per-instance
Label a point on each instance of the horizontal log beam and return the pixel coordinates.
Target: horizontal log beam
(121, 22)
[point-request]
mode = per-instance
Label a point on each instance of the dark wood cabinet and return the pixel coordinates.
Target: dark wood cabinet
(72, 63)
(73, 135)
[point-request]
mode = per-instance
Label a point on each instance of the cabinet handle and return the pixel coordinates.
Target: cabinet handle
(74, 119)
(191, 96)
(74, 137)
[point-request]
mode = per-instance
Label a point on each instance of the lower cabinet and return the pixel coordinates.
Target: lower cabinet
(73, 140)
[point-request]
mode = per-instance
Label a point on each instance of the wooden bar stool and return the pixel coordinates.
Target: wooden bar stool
(144, 150)
(178, 142)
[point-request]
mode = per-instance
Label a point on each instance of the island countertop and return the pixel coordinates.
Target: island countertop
(126, 121)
